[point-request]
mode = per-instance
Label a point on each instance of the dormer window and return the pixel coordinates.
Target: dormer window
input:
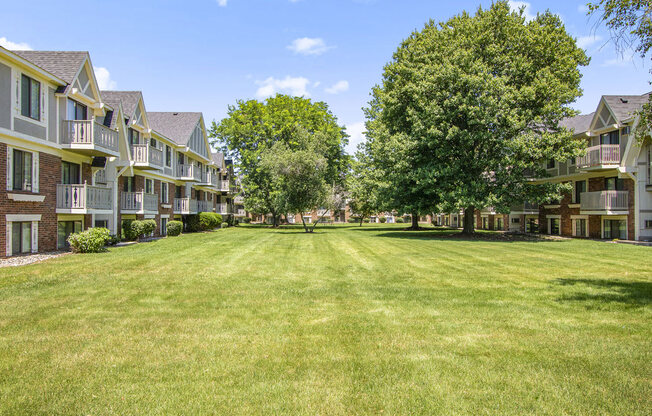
(134, 136)
(610, 138)
(30, 97)
(76, 111)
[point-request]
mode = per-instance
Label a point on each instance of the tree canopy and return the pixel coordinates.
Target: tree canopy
(253, 127)
(469, 109)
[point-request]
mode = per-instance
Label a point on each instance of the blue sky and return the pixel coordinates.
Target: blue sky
(202, 55)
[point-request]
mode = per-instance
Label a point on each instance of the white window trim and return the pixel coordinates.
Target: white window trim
(10, 168)
(553, 217)
(579, 217)
(42, 121)
(10, 219)
(613, 217)
(152, 180)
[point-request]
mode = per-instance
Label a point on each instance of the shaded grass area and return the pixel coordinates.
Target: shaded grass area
(348, 320)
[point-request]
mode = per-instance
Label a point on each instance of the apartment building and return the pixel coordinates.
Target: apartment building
(74, 157)
(611, 184)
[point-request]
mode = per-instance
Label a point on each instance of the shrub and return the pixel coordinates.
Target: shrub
(209, 220)
(192, 223)
(128, 231)
(246, 220)
(113, 240)
(383, 220)
(354, 220)
(174, 228)
(366, 220)
(400, 220)
(90, 241)
(225, 225)
(217, 220)
(148, 227)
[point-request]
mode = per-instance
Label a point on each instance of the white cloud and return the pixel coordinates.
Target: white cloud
(104, 80)
(357, 133)
(582, 8)
(13, 46)
(221, 3)
(338, 87)
(527, 9)
(620, 61)
(309, 46)
(586, 41)
(296, 86)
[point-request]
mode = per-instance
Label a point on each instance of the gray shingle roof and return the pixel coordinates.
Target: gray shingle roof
(578, 124)
(128, 99)
(623, 106)
(176, 126)
(218, 158)
(63, 64)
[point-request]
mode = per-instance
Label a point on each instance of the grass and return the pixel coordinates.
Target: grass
(348, 320)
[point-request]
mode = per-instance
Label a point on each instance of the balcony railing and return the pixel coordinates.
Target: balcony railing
(223, 186)
(526, 207)
(189, 172)
(144, 154)
(86, 134)
(100, 176)
(204, 206)
(185, 206)
(238, 200)
(604, 201)
(241, 213)
(139, 201)
(209, 178)
(604, 154)
(221, 208)
(84, 197)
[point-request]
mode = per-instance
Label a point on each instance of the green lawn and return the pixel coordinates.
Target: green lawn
(348, 320)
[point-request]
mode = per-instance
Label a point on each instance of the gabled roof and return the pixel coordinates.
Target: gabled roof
(218, 158)
(128, 100)
(63, 64)
(578, 124)
(624, 106)
(177, 126)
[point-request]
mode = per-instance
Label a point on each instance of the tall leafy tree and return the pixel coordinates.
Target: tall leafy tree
(253, 127)
(362, 188)
(469, 109)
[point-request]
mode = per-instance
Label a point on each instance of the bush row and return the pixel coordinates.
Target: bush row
(135, 229)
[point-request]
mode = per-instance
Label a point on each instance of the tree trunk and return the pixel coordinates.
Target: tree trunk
(361, 219)
(415, 222)
(305, 227)
(469, 220)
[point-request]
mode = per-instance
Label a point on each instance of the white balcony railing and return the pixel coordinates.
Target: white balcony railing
(209, 178)
(139, 201)
(221, 208)
(238, 200)
(224, 186)
(146, 154)
(189, 172)
(100, 176)
(204, 206)
(604, 201)
(241, 213)
(82, 133)
(185, 206)
(84, 197)
(604, 154)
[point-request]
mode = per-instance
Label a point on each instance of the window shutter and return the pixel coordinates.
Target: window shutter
(8, 238)
(10, 168)
(34, 236)
(35, 169)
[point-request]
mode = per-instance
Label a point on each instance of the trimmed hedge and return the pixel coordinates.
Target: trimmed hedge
(246, 220)
(399, 220)
(192, 224)
(92, 240)
(174, 228)
(128, 231)
(209, 220)
(383, 220)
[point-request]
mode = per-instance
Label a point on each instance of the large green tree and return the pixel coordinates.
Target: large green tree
(362, 186)
(469, 109)
(253, 127)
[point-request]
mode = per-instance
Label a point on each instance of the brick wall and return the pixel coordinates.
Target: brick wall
(49, 177)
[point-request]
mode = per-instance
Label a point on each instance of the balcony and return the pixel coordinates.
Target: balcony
(100, 176)
(185, 206)
(189, 173)
(139, 202)
(238, 200)
(526, 208)
(223, 186)
(204, 206)
(209, 179)
(89, 137)
(604, 202)
(146, 156)
(221, 208)
(599, 157)
(240, 213)
(488, 210)
(83, 199)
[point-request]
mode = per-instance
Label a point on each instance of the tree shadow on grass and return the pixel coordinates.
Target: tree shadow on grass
(481, 237)
(633, 293)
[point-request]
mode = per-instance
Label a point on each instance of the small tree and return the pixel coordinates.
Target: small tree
(363, 188)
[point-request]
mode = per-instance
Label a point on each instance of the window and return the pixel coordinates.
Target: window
(625, 130)
(153, 143)
(149, 186)
(615, 229)
(614, 184)
(579, 227)
(30, 98)
(178, 192)
(77, 111)
(168, 156)
(516, 220)
(21, 238)
(164, 226)
(550, 164)
(181, 158)
(532, 225)
(485, 223)
(22, 171)
(580, 186)
(70, 173)
(134, 136)
(130, 183)
(648, 223)
(499, 224)
(554, 226)
(610, 138)
(101, 223)
(164, 192)
(64, 229)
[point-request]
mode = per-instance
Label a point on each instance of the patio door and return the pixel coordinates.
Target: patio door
(615, 229)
